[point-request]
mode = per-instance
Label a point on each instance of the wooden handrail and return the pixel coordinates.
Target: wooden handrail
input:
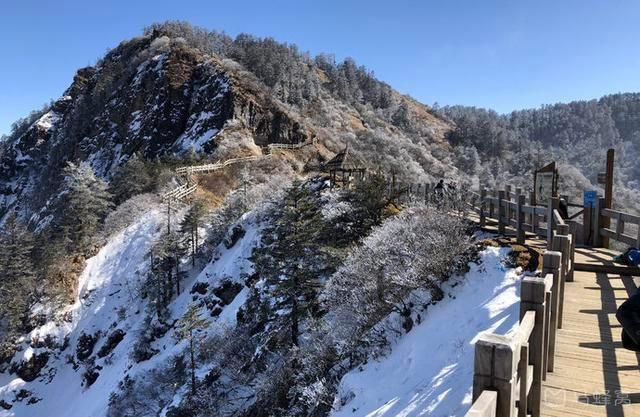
(514, 366)
(625, 217)
(485, 405)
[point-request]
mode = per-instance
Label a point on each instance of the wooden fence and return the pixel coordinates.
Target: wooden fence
(190, 185)
(618, 233)
(509, 369)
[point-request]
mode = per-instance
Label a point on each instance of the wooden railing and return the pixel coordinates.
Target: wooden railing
(509, 369)
(218, 165)
(621, 220)
(191, 185)
(272, 146)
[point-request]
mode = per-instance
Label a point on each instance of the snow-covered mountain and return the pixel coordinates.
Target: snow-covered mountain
(271, 292)
(176, 91)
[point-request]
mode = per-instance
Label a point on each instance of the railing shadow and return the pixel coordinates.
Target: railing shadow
(613, 398)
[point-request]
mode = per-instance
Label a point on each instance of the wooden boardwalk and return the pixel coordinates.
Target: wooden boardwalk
(594, 375)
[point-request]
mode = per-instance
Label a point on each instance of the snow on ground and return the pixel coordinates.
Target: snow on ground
(107, 301)
(105, 287)
(429, 371)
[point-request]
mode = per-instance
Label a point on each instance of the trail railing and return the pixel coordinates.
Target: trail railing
(617, 233)
(190, 186)
(509, 369)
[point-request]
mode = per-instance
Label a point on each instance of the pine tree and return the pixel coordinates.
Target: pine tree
(132, 178)
(17, 278)
(369, 198)
(186, 329)
(166, 255)
(292, 257)
(190, 224)
(86, 203)
(52, 265)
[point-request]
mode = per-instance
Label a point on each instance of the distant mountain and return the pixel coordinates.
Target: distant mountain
(576, 134)
(270, 292)
(179, 91)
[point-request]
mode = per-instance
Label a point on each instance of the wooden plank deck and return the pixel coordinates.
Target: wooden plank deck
(593, 375)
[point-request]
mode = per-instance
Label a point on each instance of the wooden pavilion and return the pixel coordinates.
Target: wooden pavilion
(345, 167)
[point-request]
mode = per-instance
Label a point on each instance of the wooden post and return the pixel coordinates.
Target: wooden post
(520, 218)
(533, 296)
(495, 364)
(551, 262)
(597, 222)
(587, 229)
(523, 374)
(572, 251)
(562, 244)
(608, 195)
(483, 196)
(501, 213)
(494, 193)
(517, 197)
(549, 222)
(533, 217)
(507, 197)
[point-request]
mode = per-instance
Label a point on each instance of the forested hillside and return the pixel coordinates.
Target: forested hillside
(119, 302)
(576, 134)
(270, 288)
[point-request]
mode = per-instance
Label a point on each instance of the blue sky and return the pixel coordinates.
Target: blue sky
(503, 55)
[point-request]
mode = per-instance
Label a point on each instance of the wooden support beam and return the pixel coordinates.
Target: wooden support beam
(501, 212)
(520, 219)
(495, 365)
(483, 196)
(533, 297)
(552, 266)
(629, 271)
(598, 222)
(608, 194)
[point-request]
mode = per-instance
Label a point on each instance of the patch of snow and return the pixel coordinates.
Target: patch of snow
(108, 300)
(430, 370)
(47, 120)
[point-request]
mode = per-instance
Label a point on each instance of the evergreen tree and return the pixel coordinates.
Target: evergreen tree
(132, 178)
(52, 265)
(166, 257)
(17, 278)
(369, 198)
(187, 328)
(293, 258)
(86, 203)
(190, 224)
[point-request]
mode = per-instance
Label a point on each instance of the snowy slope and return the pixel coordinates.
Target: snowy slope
(104, 287)
(430, 370)
(107, 301)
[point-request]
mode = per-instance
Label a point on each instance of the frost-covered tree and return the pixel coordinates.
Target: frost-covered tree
(416, 250)
(187, 328)
(17, 277)
(132, 178)
(292, 256)
(85, 203)
(190, 224)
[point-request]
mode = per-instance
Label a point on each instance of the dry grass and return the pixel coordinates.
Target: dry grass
(526, 257)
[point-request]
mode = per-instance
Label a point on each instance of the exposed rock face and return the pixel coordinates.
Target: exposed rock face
(30, 369)
(151, 96)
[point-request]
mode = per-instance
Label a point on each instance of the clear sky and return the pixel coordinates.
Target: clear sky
(503, 55)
